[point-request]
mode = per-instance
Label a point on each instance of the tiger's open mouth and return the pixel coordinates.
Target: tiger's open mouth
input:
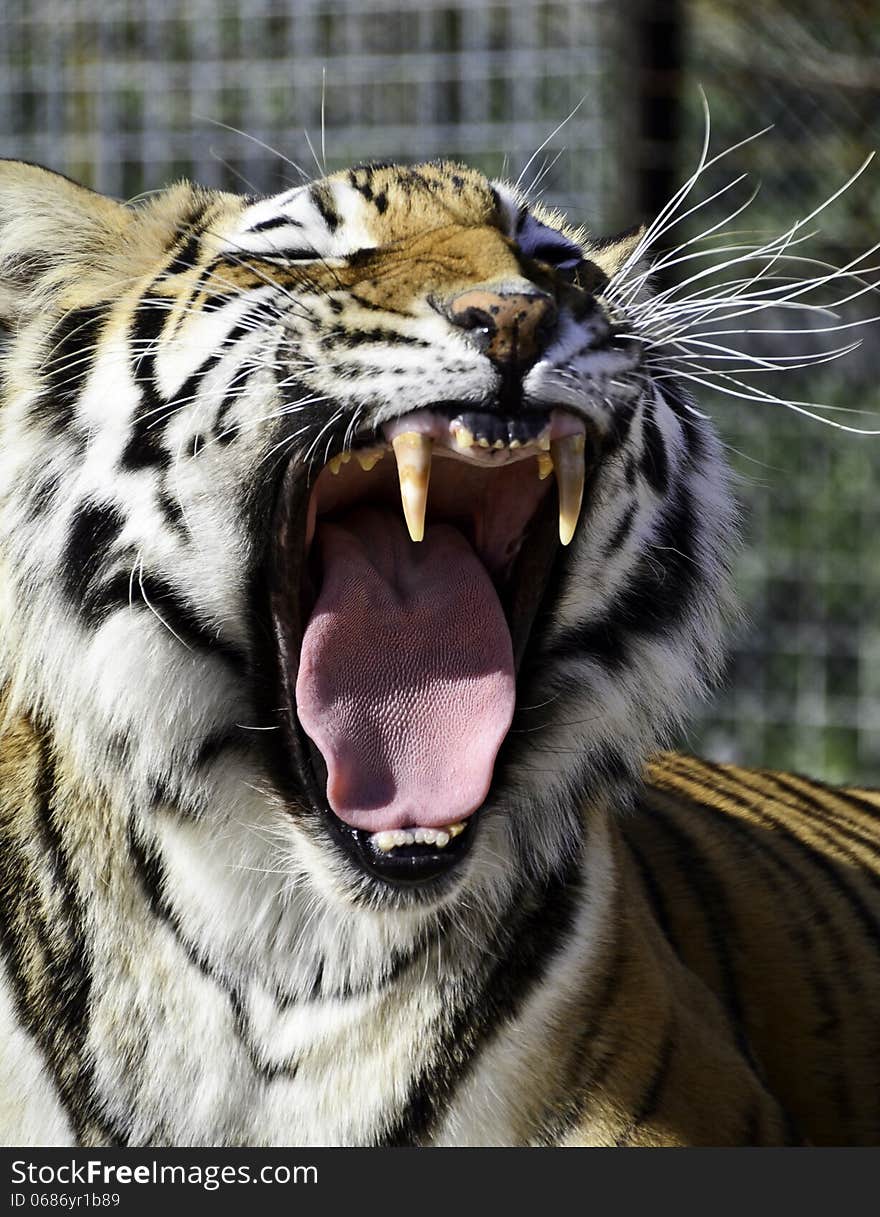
(406, 581)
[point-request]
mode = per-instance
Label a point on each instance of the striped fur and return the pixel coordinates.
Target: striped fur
(187, 957)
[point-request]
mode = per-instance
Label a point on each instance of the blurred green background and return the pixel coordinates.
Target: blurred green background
(126, 96)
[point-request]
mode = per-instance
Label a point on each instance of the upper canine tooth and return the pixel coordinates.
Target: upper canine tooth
(568, 461)
(413, 452)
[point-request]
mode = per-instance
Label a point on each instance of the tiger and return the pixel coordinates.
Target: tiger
(357, 566)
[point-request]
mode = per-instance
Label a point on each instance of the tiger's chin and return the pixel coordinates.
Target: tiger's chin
(403, 584)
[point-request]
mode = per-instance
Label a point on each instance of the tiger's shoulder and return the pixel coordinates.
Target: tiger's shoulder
(766, 885)
(824, 817)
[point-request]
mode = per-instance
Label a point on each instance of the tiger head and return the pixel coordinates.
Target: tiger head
(357, 515)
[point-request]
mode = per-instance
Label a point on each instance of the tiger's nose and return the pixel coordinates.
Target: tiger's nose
(513, 327)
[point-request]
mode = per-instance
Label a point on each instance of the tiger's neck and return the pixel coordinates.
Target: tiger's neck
(287, 1022)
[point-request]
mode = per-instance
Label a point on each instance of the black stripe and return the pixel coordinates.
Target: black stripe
(517, 959)
(653, 1093)
(662, 586)
(579, 1083)
(93, 529)
(836, 820)
(678, 400)
(765, 853)
(604, 641)
(649, 883)
(191, 230)
(719, 934)
(187, 256)
(101, 599)
(183, 619)
(847, 980)
(621, 532)
(149, 870)
(711, 897)
(71, 358)
(323, 201)
(52, 985)
(859, 804)
(620, 423)
(361, 180)
(144, 449)
(832, 870)
(153, 592)
(275, 222)
(214, 745)
(296, 253)
(752, 1124)
(172, 512)
(267, 1070)
(654, 462)
(371, 306)
(40, 497)
(150, 874)
(340, 336)
(189, 390)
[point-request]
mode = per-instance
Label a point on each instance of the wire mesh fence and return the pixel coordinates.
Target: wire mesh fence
(805, 674)
(126, 97)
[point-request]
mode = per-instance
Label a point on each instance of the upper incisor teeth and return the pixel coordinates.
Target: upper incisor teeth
(413, 453)
(367, 460)
(568, 462)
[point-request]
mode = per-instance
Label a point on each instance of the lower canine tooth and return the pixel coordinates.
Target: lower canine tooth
(568, 461)
(413, 452)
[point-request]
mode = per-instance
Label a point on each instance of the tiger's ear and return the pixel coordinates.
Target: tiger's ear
(54, 234)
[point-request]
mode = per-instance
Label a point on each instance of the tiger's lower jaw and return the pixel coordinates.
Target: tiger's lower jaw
(400, 618)
(398, 857)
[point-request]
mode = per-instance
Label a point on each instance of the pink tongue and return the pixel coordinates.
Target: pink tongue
(406, 682)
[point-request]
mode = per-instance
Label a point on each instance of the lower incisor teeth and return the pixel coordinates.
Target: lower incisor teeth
(568, 462)
(396, 837)
(413, 453)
